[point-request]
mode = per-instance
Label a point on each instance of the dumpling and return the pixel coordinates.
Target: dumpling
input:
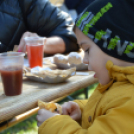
(59, 58)
(74, 58)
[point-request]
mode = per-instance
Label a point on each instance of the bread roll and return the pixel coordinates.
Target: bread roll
(74, 58)
(59, 58)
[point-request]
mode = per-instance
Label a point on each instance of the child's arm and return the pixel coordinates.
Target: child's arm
(68, 108)
(43, 115)
(81, 104)
(117, 119)
(72, 109)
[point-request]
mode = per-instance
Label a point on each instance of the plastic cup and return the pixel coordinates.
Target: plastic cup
(11, 70)
(35, 46)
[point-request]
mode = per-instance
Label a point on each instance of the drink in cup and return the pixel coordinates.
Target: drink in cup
(35, 46)
(11, 69)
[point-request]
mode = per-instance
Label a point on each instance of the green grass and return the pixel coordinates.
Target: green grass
(29, 126)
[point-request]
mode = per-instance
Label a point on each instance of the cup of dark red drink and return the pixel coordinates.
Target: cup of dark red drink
(11, 70)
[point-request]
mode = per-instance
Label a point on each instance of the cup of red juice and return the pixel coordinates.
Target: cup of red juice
(35, 47)
(11, 70)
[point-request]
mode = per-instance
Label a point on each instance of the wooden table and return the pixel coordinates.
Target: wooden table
(34, 91)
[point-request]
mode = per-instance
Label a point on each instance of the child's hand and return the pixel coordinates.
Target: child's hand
(43, 115)
(72, 109)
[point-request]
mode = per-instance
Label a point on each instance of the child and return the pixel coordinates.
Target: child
(107, 39)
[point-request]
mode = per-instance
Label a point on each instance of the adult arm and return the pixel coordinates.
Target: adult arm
(47, 20)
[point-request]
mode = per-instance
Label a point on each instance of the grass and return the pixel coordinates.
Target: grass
(29, 126)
